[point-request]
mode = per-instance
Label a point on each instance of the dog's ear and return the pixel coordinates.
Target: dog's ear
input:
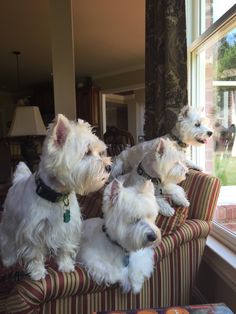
(160, 147)
(184, 111)
(80, 121)
(202, 109)
(115, 189)
(61, 130)
(85, 124)
(147, 187)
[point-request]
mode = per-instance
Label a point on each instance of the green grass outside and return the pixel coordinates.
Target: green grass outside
(225, 169)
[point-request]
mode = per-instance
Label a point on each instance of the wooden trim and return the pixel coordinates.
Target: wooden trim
(121, 71)
(221, 260)
(214, 28)
(198, 297)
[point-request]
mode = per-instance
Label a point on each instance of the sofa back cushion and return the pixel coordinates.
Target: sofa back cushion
(202, 191)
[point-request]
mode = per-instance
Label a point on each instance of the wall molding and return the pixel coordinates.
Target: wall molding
(198, 297)
(121, 71)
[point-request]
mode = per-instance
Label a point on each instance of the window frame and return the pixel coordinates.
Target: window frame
(196, 40)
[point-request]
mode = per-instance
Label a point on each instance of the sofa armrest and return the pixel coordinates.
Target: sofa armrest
(29, 295)
(189, 231)
(203, 191)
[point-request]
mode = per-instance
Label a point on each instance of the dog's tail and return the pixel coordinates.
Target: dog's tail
(21, 172)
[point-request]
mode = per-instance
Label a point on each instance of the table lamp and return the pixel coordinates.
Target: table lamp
(27, 124)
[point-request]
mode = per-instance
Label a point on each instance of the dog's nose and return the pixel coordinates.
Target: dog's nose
(151, 237)
(108, 168)
(209, 133)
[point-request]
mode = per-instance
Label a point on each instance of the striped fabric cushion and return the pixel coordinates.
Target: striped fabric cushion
(192, 229)
(170, 224)
(171, 283)
(55, 285)
(203, 191)
(28, 294)
(91, 204)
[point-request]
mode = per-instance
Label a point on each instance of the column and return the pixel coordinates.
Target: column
(62, 40)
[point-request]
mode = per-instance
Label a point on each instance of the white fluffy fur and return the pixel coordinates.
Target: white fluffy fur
(32, 228)
(165, 162)
(129, 216)
(191, 128)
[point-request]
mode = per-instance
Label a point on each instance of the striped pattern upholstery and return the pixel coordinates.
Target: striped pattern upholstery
(186, 244)
(170, 224)
(177, 260)
(91, 205)
(203, 191)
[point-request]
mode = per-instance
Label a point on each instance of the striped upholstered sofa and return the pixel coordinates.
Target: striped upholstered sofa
(177, 261)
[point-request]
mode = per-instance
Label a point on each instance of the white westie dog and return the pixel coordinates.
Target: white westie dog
(164, 165)
(191, 129)
(119, 247)
(41, 213)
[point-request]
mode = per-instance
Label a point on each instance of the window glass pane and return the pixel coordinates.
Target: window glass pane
(216, 88)
(212, 10)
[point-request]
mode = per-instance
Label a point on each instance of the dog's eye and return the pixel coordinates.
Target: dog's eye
(135, 221)
(198, 124)
(102, 154)
(89, 152)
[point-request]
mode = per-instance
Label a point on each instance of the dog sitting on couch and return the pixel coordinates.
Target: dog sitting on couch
(41, 213)
(119, 247)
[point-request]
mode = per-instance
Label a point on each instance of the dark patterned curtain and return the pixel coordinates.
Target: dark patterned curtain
(166, 65)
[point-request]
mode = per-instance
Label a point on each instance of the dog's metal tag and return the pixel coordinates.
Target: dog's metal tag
(66, 215)
(126, 260)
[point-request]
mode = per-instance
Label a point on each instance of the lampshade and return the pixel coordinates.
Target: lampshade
(27, 120)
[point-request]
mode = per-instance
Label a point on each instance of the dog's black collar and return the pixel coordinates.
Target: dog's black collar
(179, 142)
(47, 193)
(126, 253)
(142, 173)
(50, 195)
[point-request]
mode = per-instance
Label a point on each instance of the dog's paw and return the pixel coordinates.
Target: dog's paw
(185, 203)
(165, 208)
(167, 211)
(181, 202)
(126, 287)
(9, 261)
(36, 269)
(195, 167)
(66, 265)
(137, 287)
(192, 165)
(38, 273)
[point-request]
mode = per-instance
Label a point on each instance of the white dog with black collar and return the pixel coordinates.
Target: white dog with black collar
(119, 247)
(41, 214)
(191, 129)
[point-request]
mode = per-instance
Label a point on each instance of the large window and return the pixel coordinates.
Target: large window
(213, 86)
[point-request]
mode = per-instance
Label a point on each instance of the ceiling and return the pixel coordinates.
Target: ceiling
(108, 37)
